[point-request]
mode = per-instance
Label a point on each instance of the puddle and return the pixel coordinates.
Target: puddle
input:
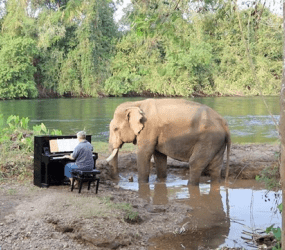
(218, 215)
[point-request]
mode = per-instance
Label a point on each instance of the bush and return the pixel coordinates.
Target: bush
(16, 148)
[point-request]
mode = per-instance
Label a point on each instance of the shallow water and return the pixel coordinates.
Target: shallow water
(219, 214)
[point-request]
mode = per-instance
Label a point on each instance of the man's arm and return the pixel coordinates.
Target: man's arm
(74, 154)
(69, 157)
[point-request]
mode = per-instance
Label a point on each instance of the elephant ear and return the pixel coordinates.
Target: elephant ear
(135, 116)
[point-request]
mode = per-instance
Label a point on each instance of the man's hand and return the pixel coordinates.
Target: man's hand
(69, 157)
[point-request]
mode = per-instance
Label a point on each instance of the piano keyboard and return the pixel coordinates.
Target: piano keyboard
(62, 157)
(58, 157)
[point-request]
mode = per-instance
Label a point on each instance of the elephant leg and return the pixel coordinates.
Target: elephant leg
(143, 162)
(161, 165)
(199, 160)
(215, 166)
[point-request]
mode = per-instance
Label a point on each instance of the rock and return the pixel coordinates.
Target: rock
(131, 179)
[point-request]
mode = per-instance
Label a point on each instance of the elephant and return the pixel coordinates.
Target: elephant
(183, 130)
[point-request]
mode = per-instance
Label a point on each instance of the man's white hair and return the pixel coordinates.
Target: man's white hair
(81, 135)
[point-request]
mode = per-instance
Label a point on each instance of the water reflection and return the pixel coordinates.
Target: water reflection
(144, 191)
(160, 196)
(206, 224)
(217, 215)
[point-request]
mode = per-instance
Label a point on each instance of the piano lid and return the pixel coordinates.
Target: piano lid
(63, 145)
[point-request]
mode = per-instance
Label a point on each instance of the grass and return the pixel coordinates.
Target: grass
(15, 162)
(130, 216)
(87, 207)
(11, 191)
(276, 142)
(100, 147)
(103, 147)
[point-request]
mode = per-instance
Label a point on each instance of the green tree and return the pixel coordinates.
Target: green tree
(17, 70)
(262, 30)
(163, 53)
(67, 45)
(17, 52)
(86, 66)
(171, 50)
(77, 42)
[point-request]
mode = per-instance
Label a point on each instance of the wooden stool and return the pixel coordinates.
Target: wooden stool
(84, 176)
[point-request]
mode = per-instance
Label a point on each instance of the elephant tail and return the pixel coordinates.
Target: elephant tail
(228, 142)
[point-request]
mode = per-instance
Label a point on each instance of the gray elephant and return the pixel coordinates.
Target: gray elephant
(183, 130)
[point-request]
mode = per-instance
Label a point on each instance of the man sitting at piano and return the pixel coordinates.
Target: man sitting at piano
(82, 154)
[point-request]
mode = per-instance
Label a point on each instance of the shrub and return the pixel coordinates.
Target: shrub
(16, 147)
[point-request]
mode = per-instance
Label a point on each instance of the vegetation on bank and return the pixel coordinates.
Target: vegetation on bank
(75, 48)
(17, 146)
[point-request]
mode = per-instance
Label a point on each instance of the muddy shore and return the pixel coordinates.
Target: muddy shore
(56, 218)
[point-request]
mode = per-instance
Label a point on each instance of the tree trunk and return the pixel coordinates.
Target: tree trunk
(282, 133)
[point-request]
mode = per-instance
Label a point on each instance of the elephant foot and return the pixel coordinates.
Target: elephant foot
(143, 180)
(161, 179)
(216, 181)
(115, 176)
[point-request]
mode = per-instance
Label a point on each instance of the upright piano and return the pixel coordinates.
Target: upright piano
(49, 161)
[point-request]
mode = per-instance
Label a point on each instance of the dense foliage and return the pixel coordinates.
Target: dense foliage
(170, 51)
(171, 48)
(55, 47)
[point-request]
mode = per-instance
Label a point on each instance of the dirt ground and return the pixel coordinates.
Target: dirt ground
(56, 218)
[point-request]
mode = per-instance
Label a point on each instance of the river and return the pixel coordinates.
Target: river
(248, 118)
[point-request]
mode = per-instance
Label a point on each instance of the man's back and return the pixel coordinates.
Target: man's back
(83, 155)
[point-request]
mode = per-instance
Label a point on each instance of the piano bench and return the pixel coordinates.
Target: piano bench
(85, 176)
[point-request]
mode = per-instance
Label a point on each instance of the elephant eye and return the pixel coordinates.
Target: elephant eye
(116, 129)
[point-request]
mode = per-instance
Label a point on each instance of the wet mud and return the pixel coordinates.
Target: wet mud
(172, 215)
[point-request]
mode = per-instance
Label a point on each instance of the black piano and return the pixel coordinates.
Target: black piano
(49, 161)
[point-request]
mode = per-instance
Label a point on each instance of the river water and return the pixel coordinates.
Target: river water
(248, 118)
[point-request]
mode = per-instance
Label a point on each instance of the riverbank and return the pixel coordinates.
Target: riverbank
(246, 161)
(55, 218)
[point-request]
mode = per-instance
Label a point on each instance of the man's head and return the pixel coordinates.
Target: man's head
(81, 135)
